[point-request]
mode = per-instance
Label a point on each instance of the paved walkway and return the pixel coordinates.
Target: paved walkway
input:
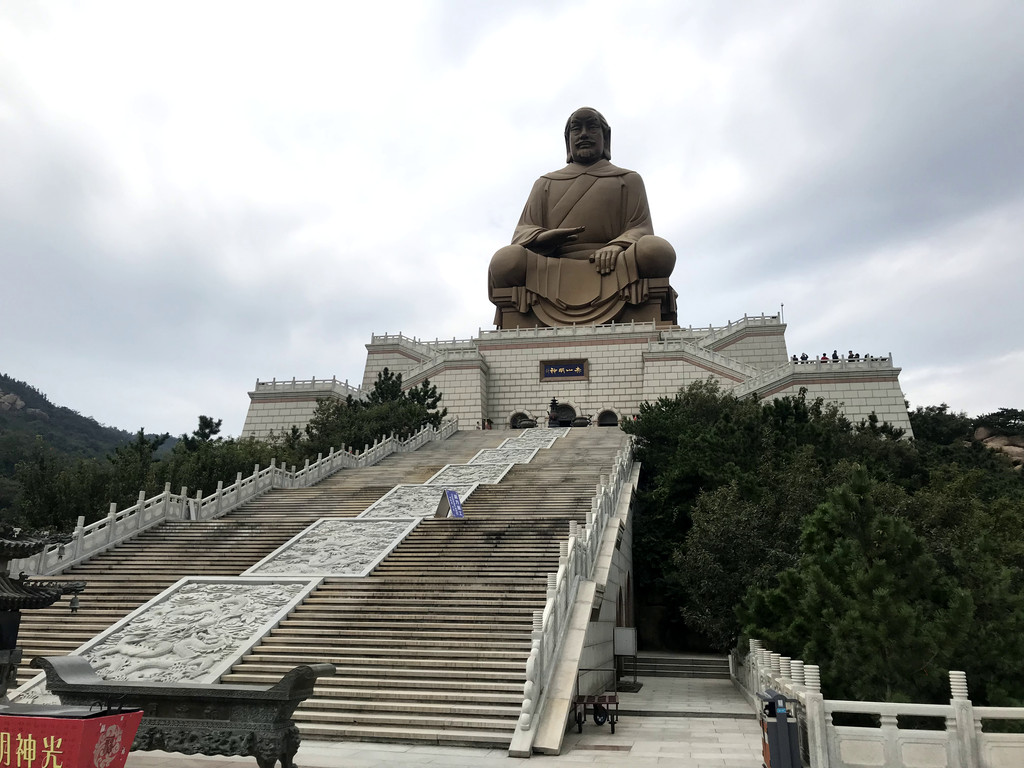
(683, 722)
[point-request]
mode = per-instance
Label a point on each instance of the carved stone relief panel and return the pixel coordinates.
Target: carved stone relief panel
(486, 474)
(415, 500)
(504, 456)
(337, 548)
(540, 435)
(186, 635)
(192, 632)
(514, 443)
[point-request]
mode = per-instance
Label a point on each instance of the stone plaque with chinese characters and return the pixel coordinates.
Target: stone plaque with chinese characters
(563, 369)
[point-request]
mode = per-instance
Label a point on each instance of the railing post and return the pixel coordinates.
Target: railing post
(140, 505)
(183, 504)
(888, 726)
(218, 498)
(966, 730)
(110, 522)
(199, 505)
(817, 723)
(79, 541)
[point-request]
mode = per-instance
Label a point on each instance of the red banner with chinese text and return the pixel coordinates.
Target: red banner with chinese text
(57, 742)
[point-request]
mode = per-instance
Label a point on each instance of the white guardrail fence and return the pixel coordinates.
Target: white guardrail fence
(119, 526)
(962, 743)
(577, 560)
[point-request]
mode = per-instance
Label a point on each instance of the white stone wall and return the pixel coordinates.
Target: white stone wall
(859, 398)
(464, 391)
(598, 647)
(277, 415)
(396, 361)
(498, 374)
(665, 375)
(615, 376)
(760, 347)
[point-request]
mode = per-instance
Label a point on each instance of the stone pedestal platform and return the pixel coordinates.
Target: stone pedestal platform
(603, 372)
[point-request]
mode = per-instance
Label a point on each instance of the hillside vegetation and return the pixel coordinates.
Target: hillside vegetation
(59, 466)
(29, 421)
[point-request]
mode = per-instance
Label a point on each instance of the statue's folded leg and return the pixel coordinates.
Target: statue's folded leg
(655, 256)
(506, 285)
(508, 267)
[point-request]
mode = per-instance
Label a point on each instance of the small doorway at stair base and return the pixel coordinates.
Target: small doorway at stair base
(607, 419)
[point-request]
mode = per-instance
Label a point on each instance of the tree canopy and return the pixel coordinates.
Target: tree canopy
(883, 559)
(48, 486)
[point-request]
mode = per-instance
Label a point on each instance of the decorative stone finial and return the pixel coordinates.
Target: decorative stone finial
(958, 684)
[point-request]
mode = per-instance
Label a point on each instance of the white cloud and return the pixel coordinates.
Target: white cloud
(197, 195)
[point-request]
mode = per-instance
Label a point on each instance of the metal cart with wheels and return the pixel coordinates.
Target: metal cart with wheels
(602, 707)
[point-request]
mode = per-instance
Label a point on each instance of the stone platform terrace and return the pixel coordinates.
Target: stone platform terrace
(602, 371)
(711, 726)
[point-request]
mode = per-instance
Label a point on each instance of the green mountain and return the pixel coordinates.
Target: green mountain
(27, 415)
(29, 421)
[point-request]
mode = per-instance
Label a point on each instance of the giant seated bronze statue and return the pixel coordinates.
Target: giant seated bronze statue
(584, 251)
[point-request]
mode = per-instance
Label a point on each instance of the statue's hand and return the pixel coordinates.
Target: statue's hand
(551, 239)
(605, 258)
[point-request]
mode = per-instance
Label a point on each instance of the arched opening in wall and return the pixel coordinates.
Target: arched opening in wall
(515, 420)
(565, 414)
(607, 419)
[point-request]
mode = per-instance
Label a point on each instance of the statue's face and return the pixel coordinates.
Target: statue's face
(586, 139)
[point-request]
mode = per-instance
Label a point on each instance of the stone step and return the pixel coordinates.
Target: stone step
(713, 667)
(425, 687)
(442, 737)
(388, 696)
(425, 672)
(406, 638)
(511, 664)
(415, 627)
(404, 610)
(412, 705)
(406, 720)
(525, 596)
(269, 650)
(419, 581)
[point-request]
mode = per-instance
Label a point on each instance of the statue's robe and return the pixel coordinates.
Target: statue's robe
(562, 285)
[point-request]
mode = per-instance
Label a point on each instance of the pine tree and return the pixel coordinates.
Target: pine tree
(866, 601)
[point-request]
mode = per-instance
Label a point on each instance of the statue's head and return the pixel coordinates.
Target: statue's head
(588, 137)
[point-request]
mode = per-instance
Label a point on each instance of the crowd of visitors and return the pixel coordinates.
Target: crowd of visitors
(834, 358)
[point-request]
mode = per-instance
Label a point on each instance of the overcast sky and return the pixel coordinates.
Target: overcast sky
(194, 195)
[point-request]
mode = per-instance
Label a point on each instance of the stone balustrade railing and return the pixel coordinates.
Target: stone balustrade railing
(748, 321)
(571, 331)
(728, 363)
(119, 526)
(962, 744)
(440, 359)
(781, 371)
(332, 384)
(577, 561)
(419, 346)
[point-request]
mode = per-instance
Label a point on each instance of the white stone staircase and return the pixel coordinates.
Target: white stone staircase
(127, 576)
(431, 647)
